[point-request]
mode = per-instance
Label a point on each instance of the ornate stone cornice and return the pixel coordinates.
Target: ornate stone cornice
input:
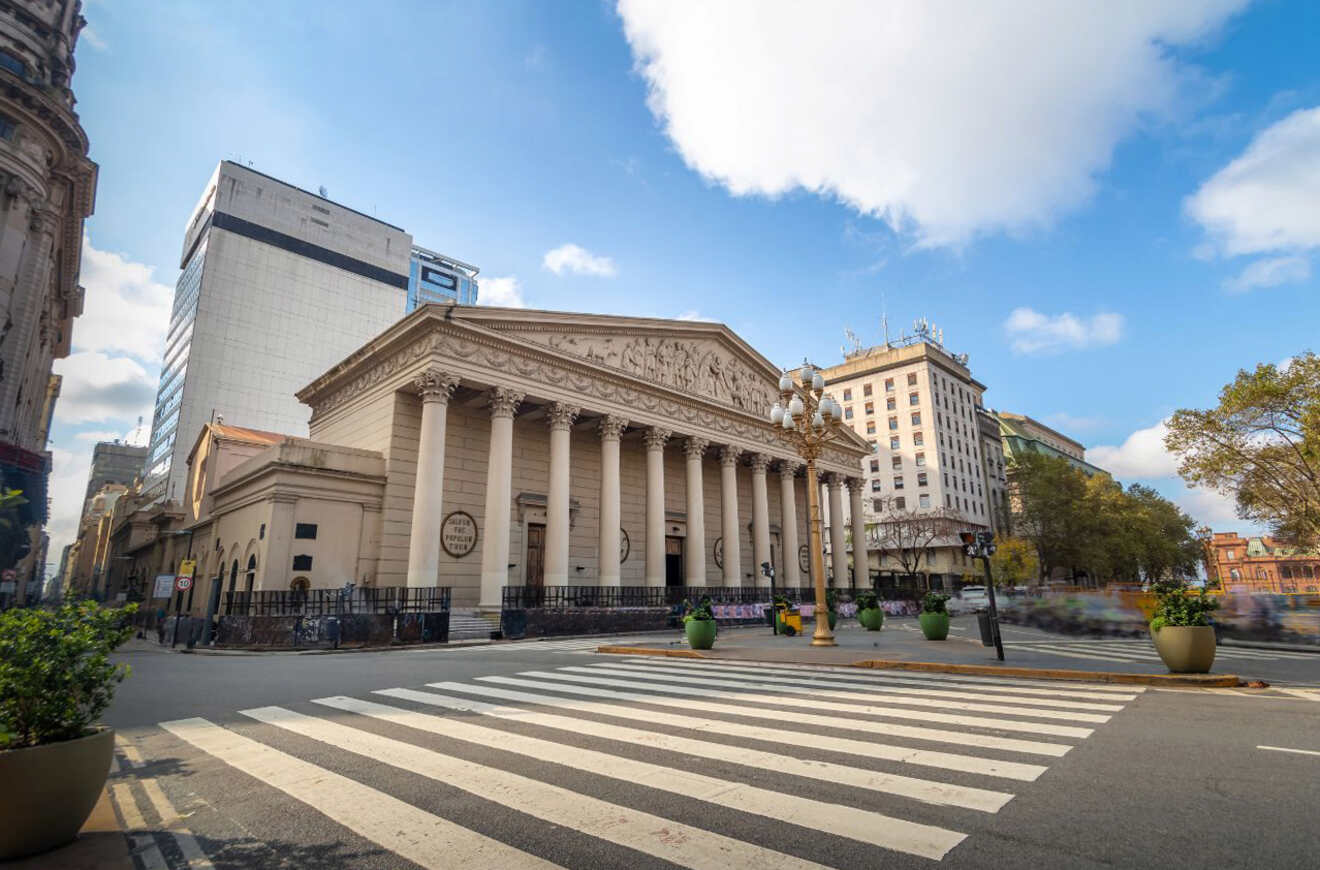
(789, 468)
(504, 401)
(655, 438)
(435, 385)
(729, 455)
(695, 448)
(561, 416)
(611, 427)
(760, 462)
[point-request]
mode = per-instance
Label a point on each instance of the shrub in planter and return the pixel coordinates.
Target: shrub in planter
(1181, 630)
(934, 616)
(869, 614)
(832, 607)
(699, 625)
(56, 679)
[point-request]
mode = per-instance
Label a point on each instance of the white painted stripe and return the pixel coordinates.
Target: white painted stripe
(1073, 655)
(159, 802)
(946, 678)
(150, 854)
(893, 697)
(130, 751)
(886, 678)
(865, 748)
(412, 833)
(749, 707)
(857, 706)
(867, 827)
(927, 791)
(169, 818)
(1142, 651)
(1286, 749)
(654, 835)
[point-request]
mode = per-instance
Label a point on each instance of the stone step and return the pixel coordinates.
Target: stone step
(471, 626)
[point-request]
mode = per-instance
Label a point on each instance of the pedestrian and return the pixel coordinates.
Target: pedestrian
(160, 625)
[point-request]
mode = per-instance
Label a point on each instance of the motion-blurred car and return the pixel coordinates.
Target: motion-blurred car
(969, 599)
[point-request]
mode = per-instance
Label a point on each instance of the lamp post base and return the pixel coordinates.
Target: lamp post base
(823, 641)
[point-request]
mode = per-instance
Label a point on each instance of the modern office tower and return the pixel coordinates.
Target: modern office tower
(278, 285)
(112, 463)
(436, 278)
(49, 188)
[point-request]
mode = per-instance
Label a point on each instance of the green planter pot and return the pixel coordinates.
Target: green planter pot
(1186, 649)
(834, 618)
(871, 619)
(49, 792)
(700, 633)
(935, 626)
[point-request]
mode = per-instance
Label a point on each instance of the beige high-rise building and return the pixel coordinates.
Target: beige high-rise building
(48, 189)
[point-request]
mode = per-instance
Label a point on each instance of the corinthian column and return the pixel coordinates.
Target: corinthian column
(435, 387)
(861, 559)
(838, 540)
(561, 419)
(611, 429)
(792, 576)
(729, 514)
(760, 518)
(694, 548)
(499, 496)
(655, 505)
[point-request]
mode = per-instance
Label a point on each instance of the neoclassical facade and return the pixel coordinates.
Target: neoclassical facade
(542, 448)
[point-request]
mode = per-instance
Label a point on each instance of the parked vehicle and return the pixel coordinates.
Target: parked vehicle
(969, 599)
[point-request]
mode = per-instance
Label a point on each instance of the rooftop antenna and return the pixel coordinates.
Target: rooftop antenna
(854, 345)
(884, 317)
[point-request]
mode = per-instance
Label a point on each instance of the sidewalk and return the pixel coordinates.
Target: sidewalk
(900, 645)
(101, 845)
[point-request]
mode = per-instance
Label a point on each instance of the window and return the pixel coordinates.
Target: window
(893, 424)
(847, 413)
(13, 64)
(921, 460)
(7, 127)
(914, 398)
(891, 404)
(898, 482)
(918, 439)
(847, 395)
(875, 447)
(948, 502)
(921, 479)
(912, 379)
(900, 503)
(876, 485)
(896, 461)
(302, 562)
(1230, 555)
(870, 427)
(924, 500)
(875, 466)
(866, 389)
(304, 530)
(877, 505)
(889, 385)
(894, 442)
(261, 535)
(870, 407)
(916, 418)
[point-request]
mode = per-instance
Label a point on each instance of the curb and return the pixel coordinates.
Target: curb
(1199, 681)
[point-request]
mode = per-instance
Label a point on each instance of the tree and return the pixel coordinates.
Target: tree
(14, 540)
(1014, 562)
(906, 535)
(1046, 494)
(1261, 444)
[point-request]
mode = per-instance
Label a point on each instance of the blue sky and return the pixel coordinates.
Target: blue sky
(1110, 207)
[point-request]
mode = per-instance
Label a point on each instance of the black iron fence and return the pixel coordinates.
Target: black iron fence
(568, 597)
(335, 602)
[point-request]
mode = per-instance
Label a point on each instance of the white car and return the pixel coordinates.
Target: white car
(972, 598)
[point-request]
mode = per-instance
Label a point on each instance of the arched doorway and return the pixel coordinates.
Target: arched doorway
(251, 572)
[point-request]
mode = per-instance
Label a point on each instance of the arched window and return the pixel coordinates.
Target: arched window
(1260, 573)
(300, 584)
(1285, 572)
(251, 571)
(233, 576)
(1234, 574)
(1306, 571)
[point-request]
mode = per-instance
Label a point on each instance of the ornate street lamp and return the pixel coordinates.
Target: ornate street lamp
(808, 419)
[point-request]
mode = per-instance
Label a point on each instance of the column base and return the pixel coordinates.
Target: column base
(823, 641)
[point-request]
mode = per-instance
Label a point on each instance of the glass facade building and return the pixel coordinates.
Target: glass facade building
(435, 278)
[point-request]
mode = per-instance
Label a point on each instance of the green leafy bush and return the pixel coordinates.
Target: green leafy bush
(700, 611)
(831, 600)
(56, 677)
(1176, 605)
(934, 603)
(866, 600)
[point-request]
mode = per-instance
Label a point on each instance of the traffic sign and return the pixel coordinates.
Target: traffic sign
(183, 583)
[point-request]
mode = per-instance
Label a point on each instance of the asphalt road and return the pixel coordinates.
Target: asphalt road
(231, 760)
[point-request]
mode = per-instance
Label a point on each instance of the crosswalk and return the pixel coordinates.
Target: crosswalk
(1142, 650)
(693, 763)
(574, 645)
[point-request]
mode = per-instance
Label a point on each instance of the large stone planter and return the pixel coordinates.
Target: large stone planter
(1186, 649)
(700, 633)
(935, 626)
(49, 791)
(871, 618)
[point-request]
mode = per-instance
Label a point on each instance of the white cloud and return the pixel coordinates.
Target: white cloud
(577, 260)
(66, 487)
(945, 119)
(1213, 509)
(125, 310)
(1265, 200)
(98, 435)
(1033, 332)
(91, 37)
(98, 388)
(1142, 455)
(503, 292)
(695, 315)
(1270, 272)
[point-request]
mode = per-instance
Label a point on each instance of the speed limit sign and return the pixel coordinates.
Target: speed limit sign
(183, 584)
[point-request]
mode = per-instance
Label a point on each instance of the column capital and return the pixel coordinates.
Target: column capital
(435, 385)
(611, 427)
(695, 448)
(561, 416)
(837, 479)
(760, 462)
(655, 438)
(504, 401)
(729, 455)
(788, 468)
(854, 484)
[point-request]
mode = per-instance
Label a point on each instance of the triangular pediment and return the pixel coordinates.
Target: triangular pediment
(695, 358)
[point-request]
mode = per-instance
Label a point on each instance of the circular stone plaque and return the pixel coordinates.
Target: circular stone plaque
(625, 545)
(719, 552)
(458, 534)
